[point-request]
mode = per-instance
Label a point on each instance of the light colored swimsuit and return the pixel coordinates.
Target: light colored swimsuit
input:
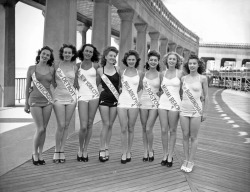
(36, 98)
(84, 93)
(145, 100)
(61, 94)
(125, 100)
(187, 108)
(173, 86)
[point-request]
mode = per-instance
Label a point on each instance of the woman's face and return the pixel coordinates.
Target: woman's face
(153, 61)
(111, 57)
(88, 53)
(172, 60)
(67, 54)
(193, 65)
(131, 61)
(45, 55)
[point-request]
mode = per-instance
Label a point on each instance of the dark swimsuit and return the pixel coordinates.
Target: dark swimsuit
(107, 98)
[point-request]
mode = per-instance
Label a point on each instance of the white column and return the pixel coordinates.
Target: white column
(186, 54)
(179, 50)
(154, 39)
(172, 47)
(163, 51)
(141, 43)
(83, 28)
(126, 37)
(101, 27)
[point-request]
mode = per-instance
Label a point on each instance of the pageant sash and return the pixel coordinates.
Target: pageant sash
(66, 83)
(41, 88)
(131, 93)
(88, 84)
(170, 97)
(191, 98)
(110, 86)
(151, 94)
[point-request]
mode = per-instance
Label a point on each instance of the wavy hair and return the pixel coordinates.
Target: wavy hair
(201, 65)
(165, 59)
(96, 54)
(106, 52)
(131, 52)
(51, 60)
(156, 54)
(72, 47)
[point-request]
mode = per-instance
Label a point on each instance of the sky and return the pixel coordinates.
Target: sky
(212, 20)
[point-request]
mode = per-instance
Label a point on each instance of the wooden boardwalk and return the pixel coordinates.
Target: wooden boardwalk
(222, 162)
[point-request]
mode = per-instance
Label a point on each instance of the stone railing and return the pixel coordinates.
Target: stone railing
(168, 19)
(226, 45)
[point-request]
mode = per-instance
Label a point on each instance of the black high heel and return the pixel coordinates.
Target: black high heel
(170, 164)
(101, 158)
(56, 160)
(62, 160)
(144, 159)
(34, 162)
(85, 159)
(107, 156)
(80, 159)
(150, 159)
(41, 162)
(123, 161)
(129, 159)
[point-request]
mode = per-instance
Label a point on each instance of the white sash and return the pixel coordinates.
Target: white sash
(131, 93)
(170, 97)
(88, 84)
(110, 86)
(192, 99)
(41, 88)
(66, 83)
(151, 94)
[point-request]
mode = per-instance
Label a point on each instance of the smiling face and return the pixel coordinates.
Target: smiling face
(193, 65)
(88, 53)
(131, 61)
(111, 57)
(153, 61)
(45, 55)
(67, 54)
(172, 60)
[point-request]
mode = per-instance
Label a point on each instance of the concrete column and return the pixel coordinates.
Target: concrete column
(60, 24)
(83, 28)
(179, 50)
(101, 31)
(172, 47)
(60, 28)
(186, 54)
(154, 39)
(7, 53)
(238, 63)
(141, 43)
(217, 63)
(126, 33)
(163, 51)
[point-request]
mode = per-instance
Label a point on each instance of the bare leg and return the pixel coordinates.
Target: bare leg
(194, 130)
(123, 119)
(83, 109)
(104, 111)
(112, 116)
(163, 116)
(144, 116)
(185, 126)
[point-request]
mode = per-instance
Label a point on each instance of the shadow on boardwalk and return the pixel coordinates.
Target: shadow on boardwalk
(222, 162)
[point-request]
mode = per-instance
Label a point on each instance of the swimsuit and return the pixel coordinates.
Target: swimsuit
(107, 98)
(173, 85)
(145, 100)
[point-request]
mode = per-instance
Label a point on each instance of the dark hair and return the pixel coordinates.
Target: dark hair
(201, 64)
(165, 59)
(156, 54)
(95, 57)
(51, 60)
(106, 52)
(72, 47)
(127, 54)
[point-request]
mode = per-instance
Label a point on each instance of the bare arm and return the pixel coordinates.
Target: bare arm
(28, 89)
(76, 84)
(205, 100)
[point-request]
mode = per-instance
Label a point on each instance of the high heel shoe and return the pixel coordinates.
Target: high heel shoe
(107, 156)
(150, 159)
(123, 161)
(80, 159)
(62, 160)
(128, 159)
(145, 158)
(56, 160)
(170, 164)
(34, 162)
(102, 158)
(85, 159)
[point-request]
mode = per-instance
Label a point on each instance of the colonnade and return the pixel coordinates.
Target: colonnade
(61, 26)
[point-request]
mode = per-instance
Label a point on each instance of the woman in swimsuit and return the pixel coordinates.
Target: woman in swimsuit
(169, 105)
(39, 99)
(193, 108)
(64, 97)
(149, 103)
(110, 80)
(128, 104)
(88, 96)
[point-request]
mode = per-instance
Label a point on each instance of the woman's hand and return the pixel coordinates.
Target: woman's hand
(203, 117)
(27, 108)
(159, 93)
